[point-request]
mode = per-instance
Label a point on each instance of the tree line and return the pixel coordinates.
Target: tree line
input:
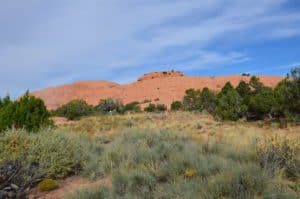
(250, 100)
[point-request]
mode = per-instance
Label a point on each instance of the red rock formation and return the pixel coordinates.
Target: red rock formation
(159, 87)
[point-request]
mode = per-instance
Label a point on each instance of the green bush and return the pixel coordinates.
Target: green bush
(7, 114)
(208, 100)
(245, 182)
(109, 105)
(197, 100)
(161, 107)
(27, 112)
(252, 100)
(150, 108)
(5, 101)
(262, 104)
(132, 107)
(167, 165)
(227, 87)
(244, 91)
(74, 109)
(279, 152)
(230, 105)
(147, 164)
(176, 106)
(133, 185)
(155, 108)
(191, 100)
(255, 83)
(47, 185)
(287, 94)
(55, 154)
(91, 193)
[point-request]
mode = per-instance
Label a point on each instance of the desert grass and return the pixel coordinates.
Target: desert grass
(163, 155)
(189, 155)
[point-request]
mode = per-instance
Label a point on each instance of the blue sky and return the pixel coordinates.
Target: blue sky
(47, 43)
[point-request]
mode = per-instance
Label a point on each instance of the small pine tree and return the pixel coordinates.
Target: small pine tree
(7, 114)
(150, 108)
(28, 112)
(256, 84)
(262, 103)
(176, 106)
(227, 87)
(161, 107)
(110, 105)
(75, 109)
(208, 100)
(132, 107)
(287, 95)
(229, 105)
(197, 100)
(191, 100)
(243, 89)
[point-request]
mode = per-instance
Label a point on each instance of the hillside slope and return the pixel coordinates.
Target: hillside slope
(159, 87)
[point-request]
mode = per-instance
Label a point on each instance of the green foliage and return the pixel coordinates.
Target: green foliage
(146, 101)
(134, 184)
(155, 108)
(27, 112)
(191, 100)
(229, 105)
(166, 165)
(75, 109)
(242, 183)
(91, 193)
(262, 104)
(161, 107)
(47, 185)
(252, 100)
(287, 94)
(197, 100)
(255, 83)
(5, 101)
(7, 114)
(244, 89)
(110, 105)
(208, 100)
(132, 107)
(227, 87)
(55, 154)
(279, 152)
(176, 106)
(150, 108)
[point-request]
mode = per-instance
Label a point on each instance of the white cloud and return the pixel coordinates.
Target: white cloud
(207, 60)
(262, 69)
(81, 38)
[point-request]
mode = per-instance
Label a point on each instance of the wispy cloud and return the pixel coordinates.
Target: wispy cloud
(96, 39)
(287, 67)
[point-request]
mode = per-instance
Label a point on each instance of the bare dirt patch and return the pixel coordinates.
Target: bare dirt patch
(68, 186)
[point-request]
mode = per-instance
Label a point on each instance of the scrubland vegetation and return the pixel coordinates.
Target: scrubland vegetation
(156, 155)
(194, 151)
(249, 101)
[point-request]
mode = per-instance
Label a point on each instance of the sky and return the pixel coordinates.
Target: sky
(48, 43)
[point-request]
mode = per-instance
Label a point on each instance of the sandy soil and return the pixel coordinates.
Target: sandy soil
(68, 186)
(159, 87)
